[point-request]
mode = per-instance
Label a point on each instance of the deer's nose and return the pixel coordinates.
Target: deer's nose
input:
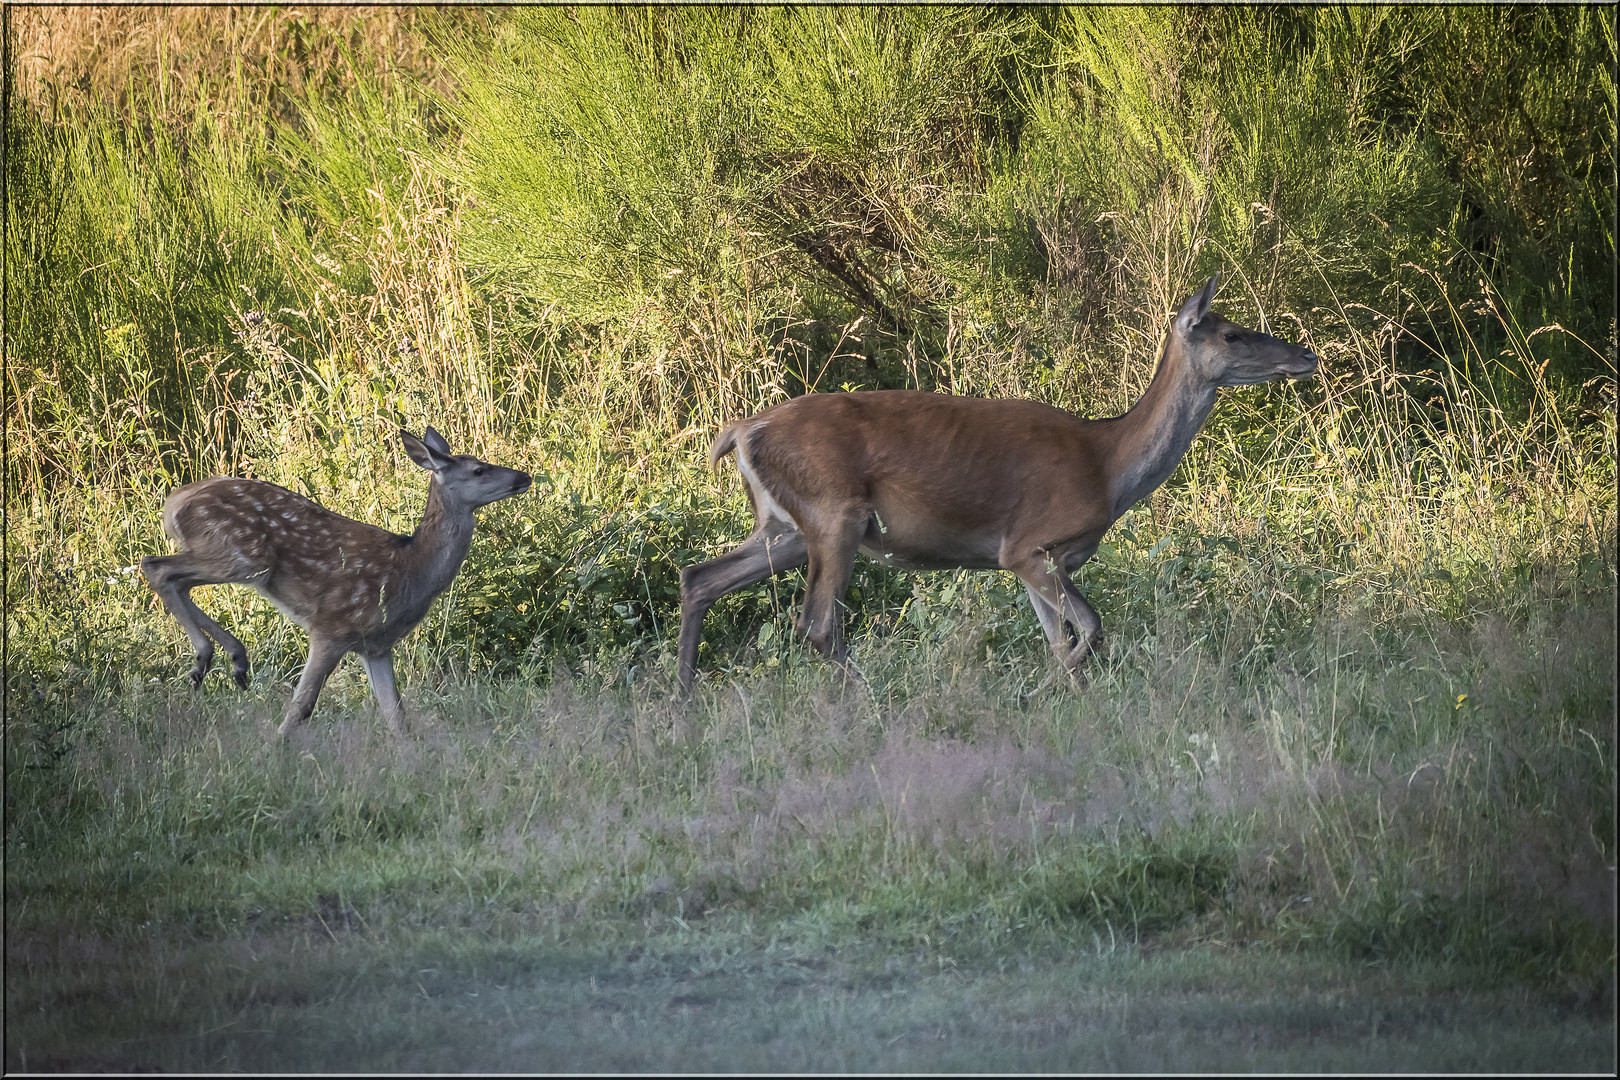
(1306, 364)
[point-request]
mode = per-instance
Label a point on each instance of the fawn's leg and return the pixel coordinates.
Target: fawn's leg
(172, 578)
(380, 670)
(323, 660)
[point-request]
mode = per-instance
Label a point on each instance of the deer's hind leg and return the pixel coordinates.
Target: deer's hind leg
(173, 577)
(773, 547)
(832, 547)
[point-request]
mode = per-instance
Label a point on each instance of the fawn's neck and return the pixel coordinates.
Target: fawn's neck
(436, 550)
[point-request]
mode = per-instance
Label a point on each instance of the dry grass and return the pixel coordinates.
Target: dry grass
(245, 60)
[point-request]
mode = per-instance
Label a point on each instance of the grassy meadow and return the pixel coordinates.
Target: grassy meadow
(1338, 792)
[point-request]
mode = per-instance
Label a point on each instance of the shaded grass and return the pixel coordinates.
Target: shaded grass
(719, 999)
(1341, 841)
(1442, 795)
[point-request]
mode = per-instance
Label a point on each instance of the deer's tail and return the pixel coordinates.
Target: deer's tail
(724, 443)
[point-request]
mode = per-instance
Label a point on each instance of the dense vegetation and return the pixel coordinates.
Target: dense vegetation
(1359, 688)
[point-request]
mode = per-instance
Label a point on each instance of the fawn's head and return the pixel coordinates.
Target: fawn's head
(462, 477)
(1227, 354)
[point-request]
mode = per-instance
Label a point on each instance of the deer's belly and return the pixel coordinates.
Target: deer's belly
(295, 613)
(355, 610)
(892, 544)
(928, 562)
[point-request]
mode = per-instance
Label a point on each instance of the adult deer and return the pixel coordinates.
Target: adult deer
(933, 482)
(352, 586)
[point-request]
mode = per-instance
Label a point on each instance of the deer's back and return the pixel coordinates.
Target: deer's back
(936, 449)
(234, 514)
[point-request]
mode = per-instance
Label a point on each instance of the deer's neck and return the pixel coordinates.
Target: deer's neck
(1153, 437)
(438, 546)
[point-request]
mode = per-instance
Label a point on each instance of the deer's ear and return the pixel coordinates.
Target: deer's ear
(436, 443)
(1197, 306)
(423, 453)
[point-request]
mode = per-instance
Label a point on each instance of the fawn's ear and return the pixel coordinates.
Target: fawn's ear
(1197, 306)
(426, 454)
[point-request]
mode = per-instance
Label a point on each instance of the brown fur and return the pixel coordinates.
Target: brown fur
(931, 481)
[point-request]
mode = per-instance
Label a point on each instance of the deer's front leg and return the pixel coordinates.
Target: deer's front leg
(1087, 625)
(380, 670)
(1059, 604)
(323, 660)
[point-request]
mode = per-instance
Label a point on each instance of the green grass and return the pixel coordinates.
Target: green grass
(917, 855)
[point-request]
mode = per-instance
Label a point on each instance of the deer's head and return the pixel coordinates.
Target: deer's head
(462, 477)
(1226, 354)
